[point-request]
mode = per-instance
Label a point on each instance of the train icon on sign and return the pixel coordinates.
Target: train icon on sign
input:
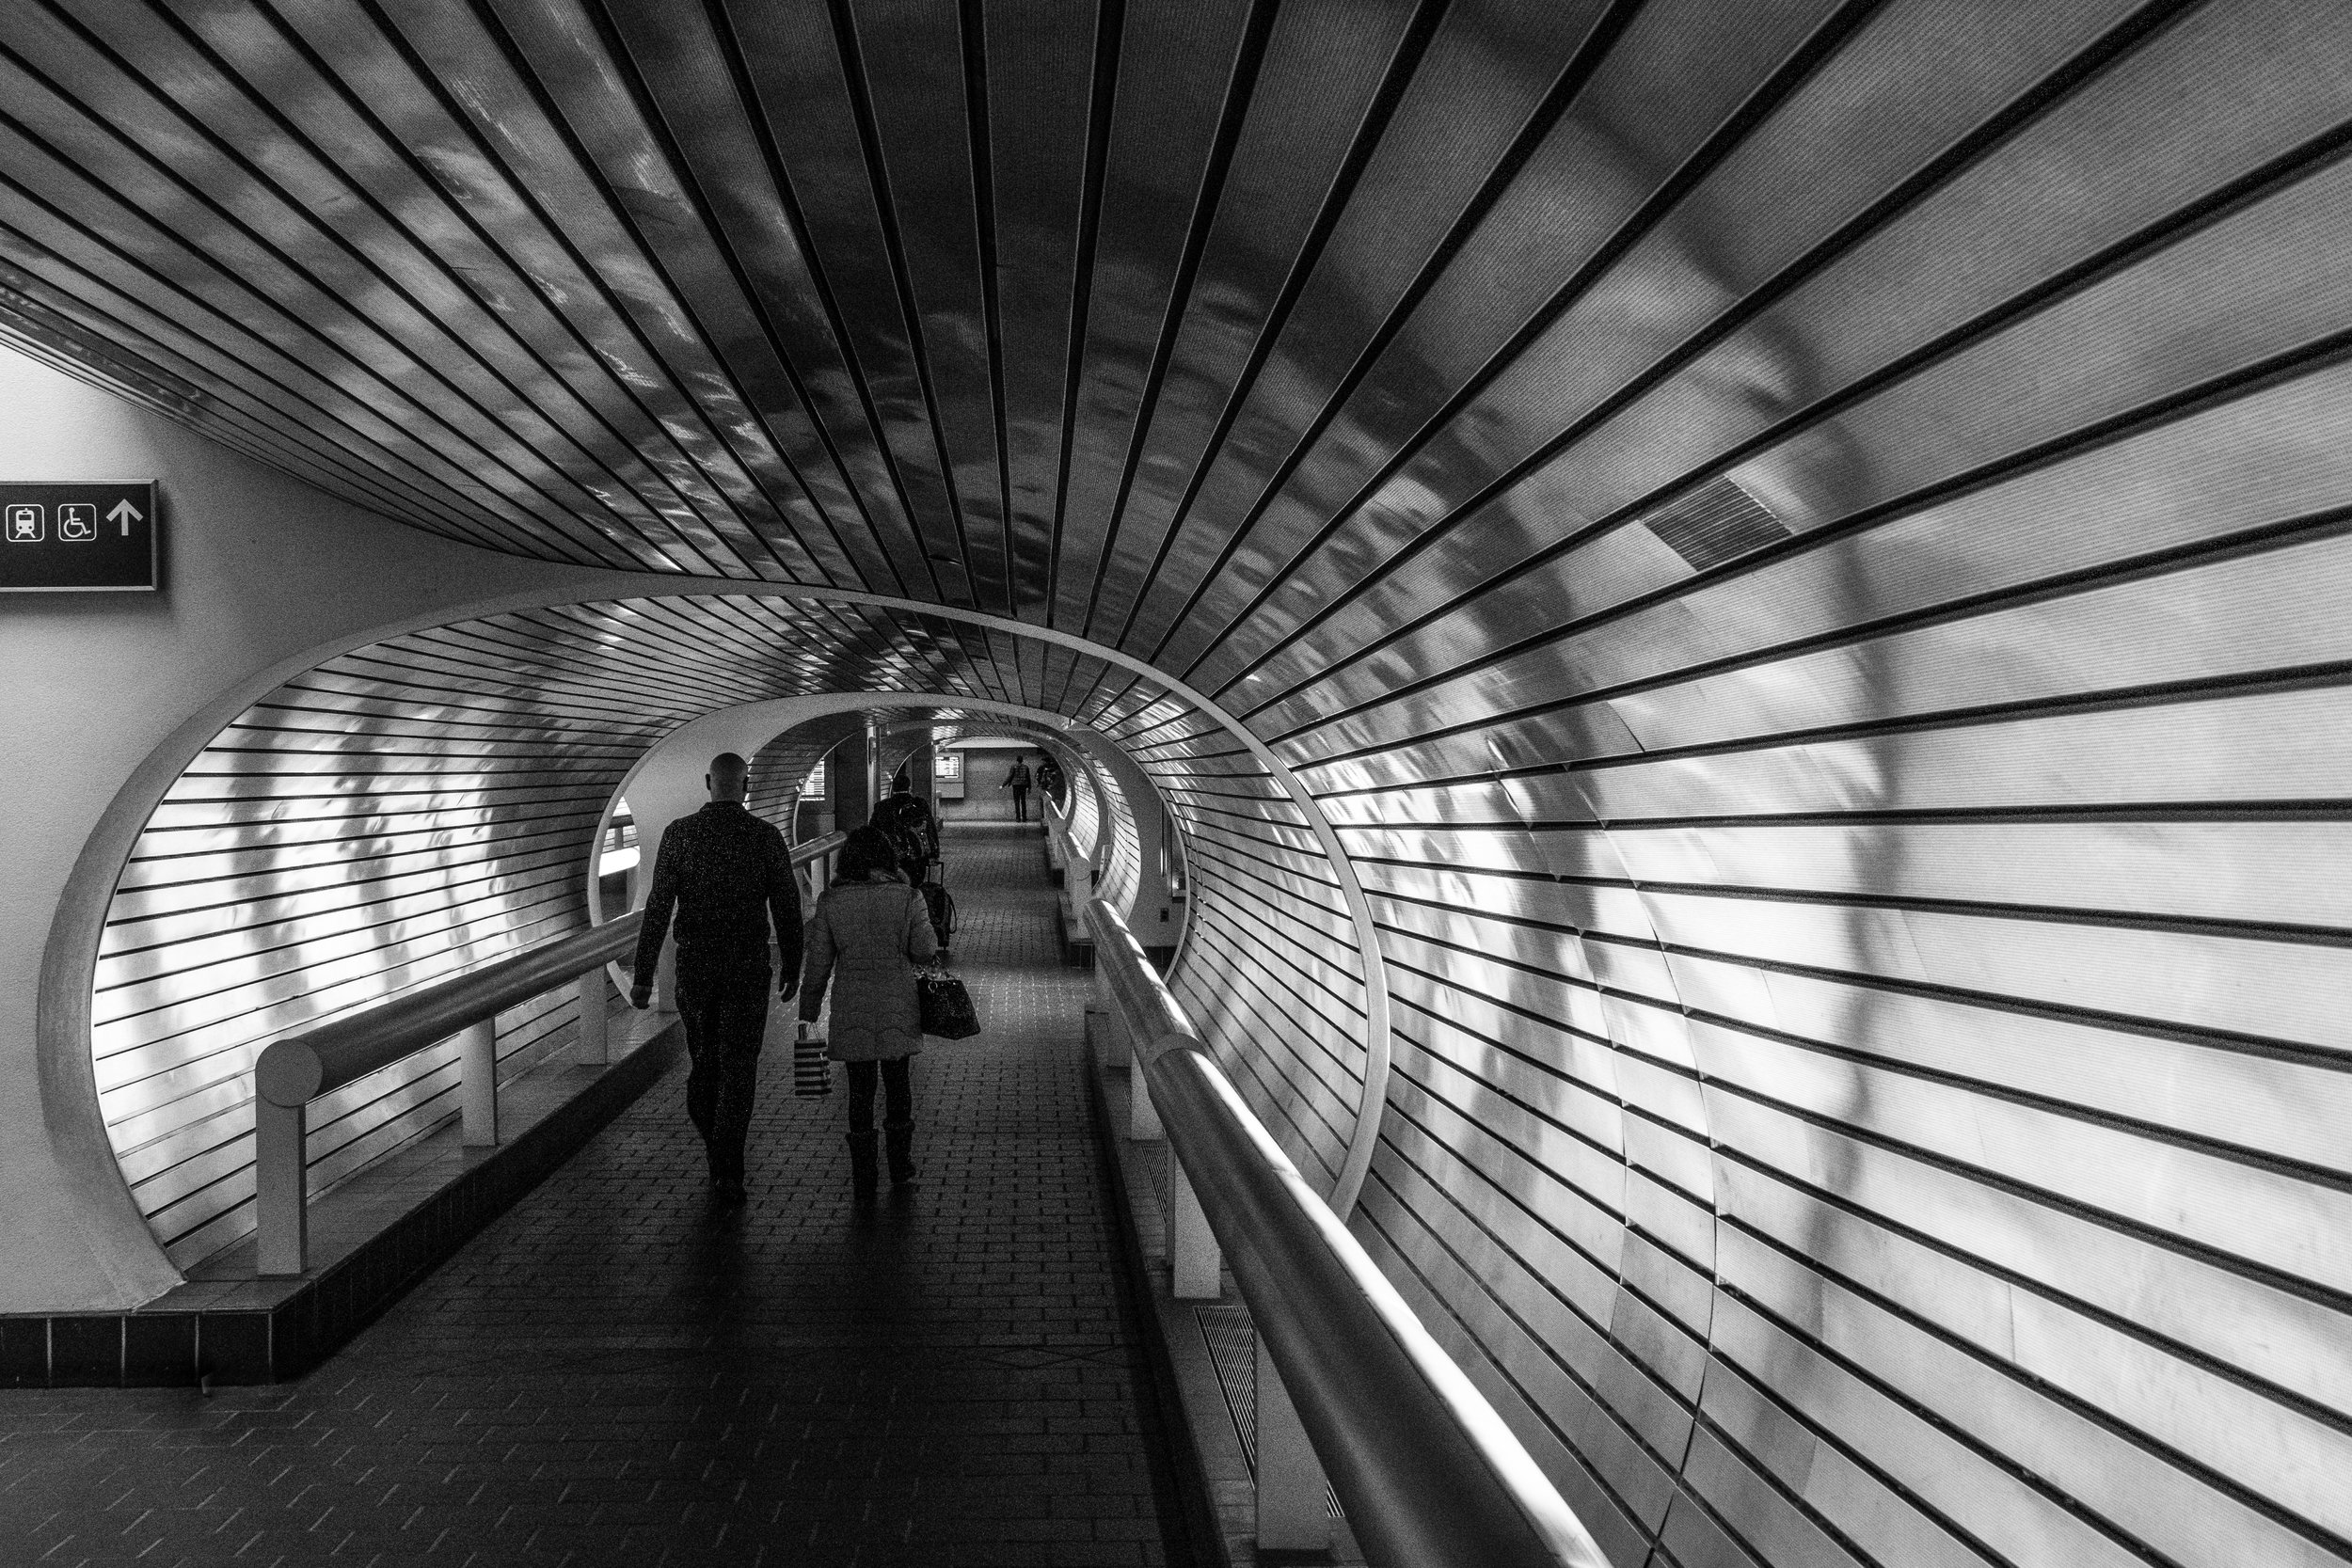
(79, 536)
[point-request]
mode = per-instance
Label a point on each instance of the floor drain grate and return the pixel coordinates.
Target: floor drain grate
(1232, 1342)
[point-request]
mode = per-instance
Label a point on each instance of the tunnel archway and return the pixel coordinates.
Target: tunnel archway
(413, 804)
(1803, 542)
(666, 781)
(1594, 951)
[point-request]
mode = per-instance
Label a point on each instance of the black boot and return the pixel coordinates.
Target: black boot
(726, 1177)
(901, 1152)
(862, 1166)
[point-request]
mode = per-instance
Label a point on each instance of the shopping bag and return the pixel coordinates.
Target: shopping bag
(812, 1075)
(947, 1010)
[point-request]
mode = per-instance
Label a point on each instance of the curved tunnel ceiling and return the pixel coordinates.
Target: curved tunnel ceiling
(1806, 539)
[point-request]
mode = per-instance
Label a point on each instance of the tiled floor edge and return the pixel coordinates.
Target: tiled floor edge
(186, 1348)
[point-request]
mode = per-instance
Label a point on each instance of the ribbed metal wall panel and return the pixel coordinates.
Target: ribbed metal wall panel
(1121, 871)
(356, 834)
(1869, 1071)
(1803, 544)
(1085, 810)
(770, 799)
(781, 766)
(1270, 973)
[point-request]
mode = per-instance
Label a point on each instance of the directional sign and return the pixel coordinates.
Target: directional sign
(61, 538)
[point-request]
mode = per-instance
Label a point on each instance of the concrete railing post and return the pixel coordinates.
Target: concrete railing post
(1143, 1123)
(665, 979)
(282, 1181)
(478, 1081)
(1195, 1265)
(1143, 1120)
(1293, 1514)
(875, 787)
(595, 1002)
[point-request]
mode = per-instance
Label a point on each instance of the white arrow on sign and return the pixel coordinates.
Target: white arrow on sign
(125, 514)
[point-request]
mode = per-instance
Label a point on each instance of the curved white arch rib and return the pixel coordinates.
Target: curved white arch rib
(63, 1008)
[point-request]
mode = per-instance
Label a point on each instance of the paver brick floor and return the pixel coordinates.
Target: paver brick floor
(613, 1373)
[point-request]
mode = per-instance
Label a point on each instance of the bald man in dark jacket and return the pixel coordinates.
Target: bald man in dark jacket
(727, 877)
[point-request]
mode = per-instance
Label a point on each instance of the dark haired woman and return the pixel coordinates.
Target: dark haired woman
(870, 931)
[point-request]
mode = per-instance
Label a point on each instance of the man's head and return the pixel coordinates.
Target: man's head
(729, 777)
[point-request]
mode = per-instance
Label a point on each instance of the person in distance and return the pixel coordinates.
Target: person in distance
(1017, 781)
(908, 820)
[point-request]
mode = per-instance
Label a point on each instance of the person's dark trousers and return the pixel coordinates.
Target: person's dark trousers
(898, 1084)
(723, 1007)
(1020, 805)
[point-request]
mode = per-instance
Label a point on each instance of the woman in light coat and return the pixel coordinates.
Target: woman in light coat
(870, 931)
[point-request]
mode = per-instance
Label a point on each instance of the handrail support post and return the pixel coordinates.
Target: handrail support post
(1143, 1118)
(596, 1013)
(478, 1081)
(665, 979)
(1196, 1267)
(1293, 1514)
(280, 1189)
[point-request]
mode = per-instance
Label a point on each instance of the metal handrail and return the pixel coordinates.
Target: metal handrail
(300, 1068)
(295, 1070)
(822, 848)
(1426, 1471)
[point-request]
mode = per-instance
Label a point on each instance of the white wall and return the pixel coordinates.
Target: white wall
(258, 569)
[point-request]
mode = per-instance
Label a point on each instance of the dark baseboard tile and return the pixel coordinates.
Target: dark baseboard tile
(270, 1331)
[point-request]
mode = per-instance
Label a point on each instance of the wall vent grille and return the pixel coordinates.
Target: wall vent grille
(1716, 522)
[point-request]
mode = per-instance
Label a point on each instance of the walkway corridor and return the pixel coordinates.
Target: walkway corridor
(614, 1374)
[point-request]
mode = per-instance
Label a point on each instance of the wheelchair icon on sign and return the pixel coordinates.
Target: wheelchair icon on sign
(77, 524)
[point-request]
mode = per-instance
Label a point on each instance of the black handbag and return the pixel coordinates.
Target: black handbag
(947, 1010)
